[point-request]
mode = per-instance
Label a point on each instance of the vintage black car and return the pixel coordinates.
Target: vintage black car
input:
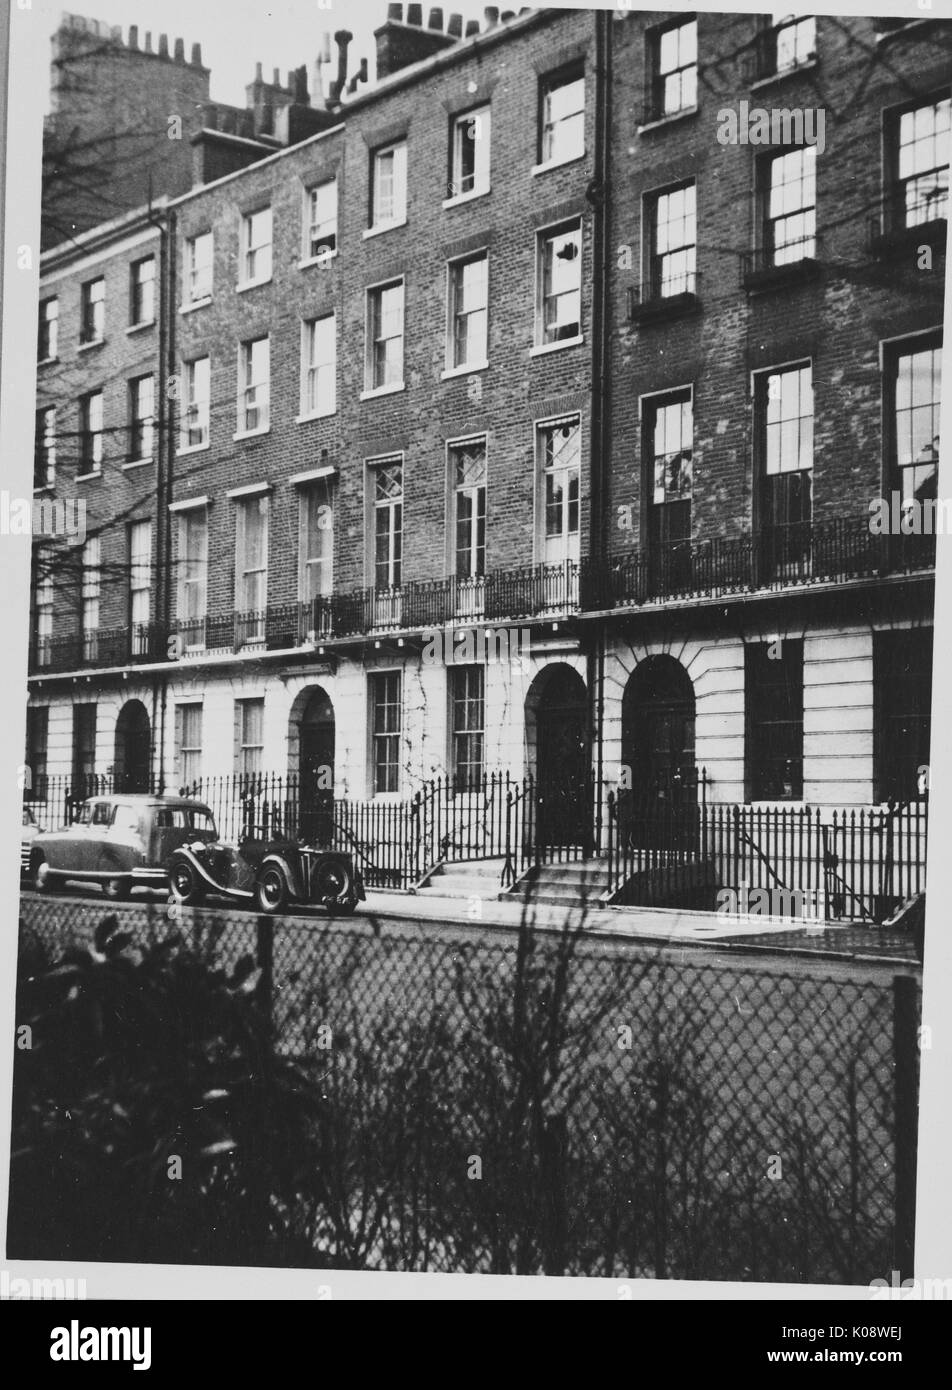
(270, 874)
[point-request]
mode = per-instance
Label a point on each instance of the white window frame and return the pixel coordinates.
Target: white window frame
(43, 605)
(136, 286)
(93, 465)
(318, 494)
(454, 271)
(145, 422)
(140, 575)
(247, 575)
(571, 540)
(192, 597)
(97, 304)
(544, 236)
(471, 127)
(549, 128)
(195, 408)
(318, 378)
(256, 257)
(319, 230)
(48, 446)
(245, 746)
(199, 277)
(189, 752)
(90, 595)
(49, 326)
(374, 294)
(398, 204)
(253, 395)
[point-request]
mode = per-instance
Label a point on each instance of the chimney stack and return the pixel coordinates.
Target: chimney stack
(342, 38)
(163, 45)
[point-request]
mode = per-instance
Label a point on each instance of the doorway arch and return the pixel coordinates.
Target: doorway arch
(312, 738)
(558, 751)
(133, 751)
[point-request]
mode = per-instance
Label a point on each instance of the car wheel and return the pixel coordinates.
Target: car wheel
(40, 873)
(116, 889)
(187, 887)
(271, 891)
(334, 885)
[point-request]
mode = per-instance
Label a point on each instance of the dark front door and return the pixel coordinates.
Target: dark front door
(317, 771)
(562, 762)
(133, 748)
(659, 807)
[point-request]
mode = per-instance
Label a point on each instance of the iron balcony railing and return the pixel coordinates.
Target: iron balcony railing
(778, 558)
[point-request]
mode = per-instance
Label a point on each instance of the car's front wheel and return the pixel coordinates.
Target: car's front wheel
(187, 887)
(271, 890)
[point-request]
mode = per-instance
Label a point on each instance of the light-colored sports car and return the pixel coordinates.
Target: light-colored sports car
(119, 842)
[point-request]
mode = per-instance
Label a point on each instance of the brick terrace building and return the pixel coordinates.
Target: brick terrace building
(514, 341)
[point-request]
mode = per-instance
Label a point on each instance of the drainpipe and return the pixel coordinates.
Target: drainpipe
(163, 483)
(597, 194)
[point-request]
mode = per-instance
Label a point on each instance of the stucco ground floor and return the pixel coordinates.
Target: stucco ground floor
(798, 716)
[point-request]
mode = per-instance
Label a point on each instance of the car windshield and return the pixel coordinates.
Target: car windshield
(85, 814)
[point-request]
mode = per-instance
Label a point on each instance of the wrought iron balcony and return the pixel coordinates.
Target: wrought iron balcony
(772, 267)
(780, 558)
(663, 299)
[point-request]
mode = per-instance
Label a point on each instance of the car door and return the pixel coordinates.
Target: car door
(120, 844)
(70, 850)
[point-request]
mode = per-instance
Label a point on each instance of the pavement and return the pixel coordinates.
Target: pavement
(845, 941)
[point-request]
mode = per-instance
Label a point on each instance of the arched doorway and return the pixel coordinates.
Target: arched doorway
(313, 722)
(658, 722)
(557, 740)
(133, 759)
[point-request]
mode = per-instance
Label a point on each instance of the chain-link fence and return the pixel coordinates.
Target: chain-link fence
(555, 1103)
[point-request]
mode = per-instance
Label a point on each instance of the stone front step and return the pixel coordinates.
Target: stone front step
(579, 884)
(478, 878)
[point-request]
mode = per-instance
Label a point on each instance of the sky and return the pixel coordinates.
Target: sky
(235, 34)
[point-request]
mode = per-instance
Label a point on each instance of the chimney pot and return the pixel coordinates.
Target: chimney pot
(180, 50)
(277, 78)
(415, 15)
(258, 73)
(133, 36)
(491, 15)
(362, 71)
(325, 48)
(116, 33)
(395, 12)
(455, 26)
(342, 38)
(148, 41)
(196, 55)
(507, 15)
(436, 19)
(163, 45)
(472, 27)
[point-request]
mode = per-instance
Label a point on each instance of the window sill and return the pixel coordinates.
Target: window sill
(452, 372)
(246, 285)
(251, 434)
(47, 487)
(784, 74)
(315, 415)
(317, 260)
(555, 164)
(95, 343)
(88, 477)
(544, 348)
(195, 304)
(461, 198)
(192, 449)
(140, 327)
(660, 121)
(913, 24)
(137, 463)
(383, 227)
(778, 277)
(664, 307)
(47, 361)
(382, 391)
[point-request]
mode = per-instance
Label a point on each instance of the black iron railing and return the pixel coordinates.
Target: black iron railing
(778, 558)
